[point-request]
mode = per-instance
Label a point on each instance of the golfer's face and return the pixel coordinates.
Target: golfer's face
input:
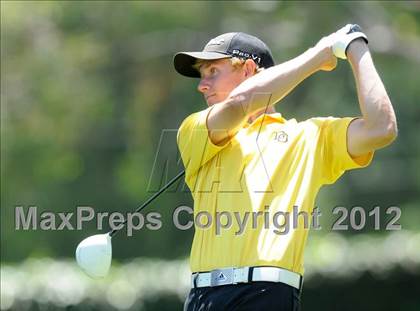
(218, 79)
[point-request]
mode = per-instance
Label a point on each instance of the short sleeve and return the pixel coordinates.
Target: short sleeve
(194, 144)
(333, 151)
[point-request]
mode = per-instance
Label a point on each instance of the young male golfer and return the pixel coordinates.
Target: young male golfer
(245, 163)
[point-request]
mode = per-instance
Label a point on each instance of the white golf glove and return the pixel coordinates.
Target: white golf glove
(344, 37)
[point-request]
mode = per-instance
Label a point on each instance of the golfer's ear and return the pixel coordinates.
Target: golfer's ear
(249, 68)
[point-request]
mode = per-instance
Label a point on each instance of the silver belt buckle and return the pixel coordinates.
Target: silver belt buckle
(221, 277)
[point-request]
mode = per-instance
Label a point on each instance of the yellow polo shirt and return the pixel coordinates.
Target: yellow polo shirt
(265, 170)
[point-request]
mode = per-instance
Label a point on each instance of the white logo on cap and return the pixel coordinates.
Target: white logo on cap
(254, 57)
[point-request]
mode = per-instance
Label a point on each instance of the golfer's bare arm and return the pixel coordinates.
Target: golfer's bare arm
(376, 129)
(263, 89)
(378, 126)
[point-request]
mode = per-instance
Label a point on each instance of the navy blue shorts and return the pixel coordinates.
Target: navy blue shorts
(265, 296)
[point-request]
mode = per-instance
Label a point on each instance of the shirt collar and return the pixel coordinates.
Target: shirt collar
(267, 117)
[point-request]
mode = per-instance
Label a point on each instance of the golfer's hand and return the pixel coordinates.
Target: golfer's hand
(327, 59)
(345, 37)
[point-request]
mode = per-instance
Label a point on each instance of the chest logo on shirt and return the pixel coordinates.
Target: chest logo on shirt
(281, 136)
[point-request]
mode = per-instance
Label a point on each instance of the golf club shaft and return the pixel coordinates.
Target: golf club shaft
(170, 183)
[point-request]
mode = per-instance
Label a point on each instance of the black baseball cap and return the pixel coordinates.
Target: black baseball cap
(227, 45)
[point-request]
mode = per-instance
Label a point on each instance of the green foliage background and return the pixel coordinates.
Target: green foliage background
(88, 88)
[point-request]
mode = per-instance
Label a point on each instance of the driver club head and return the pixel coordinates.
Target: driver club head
(94, 255)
